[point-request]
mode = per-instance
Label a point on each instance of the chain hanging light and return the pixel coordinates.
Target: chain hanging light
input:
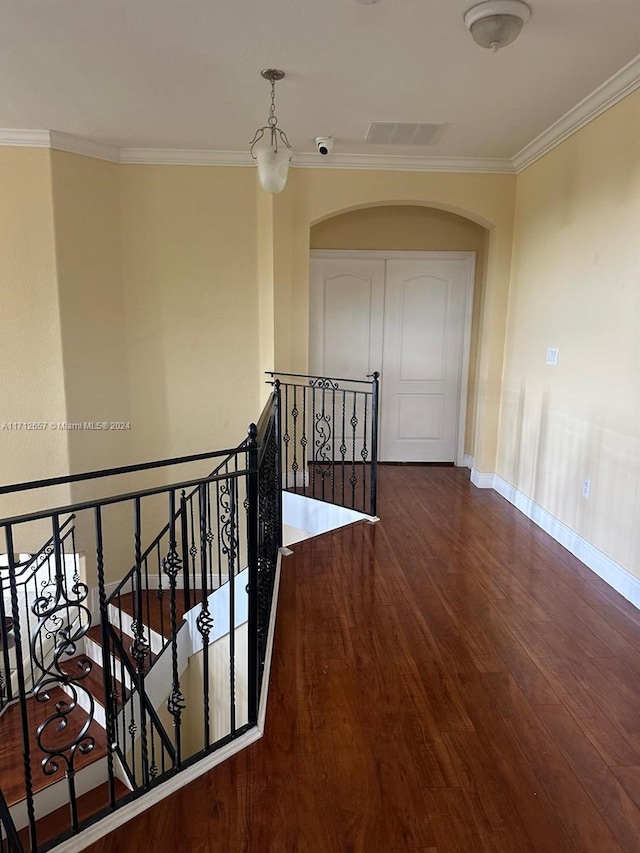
(270, 146)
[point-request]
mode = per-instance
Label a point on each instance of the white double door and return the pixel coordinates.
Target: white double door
(408, 316)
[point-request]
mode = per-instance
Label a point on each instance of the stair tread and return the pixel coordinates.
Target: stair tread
(59, 821)
(156, 609)
(95, 633)
(12, 768)
(95, 680)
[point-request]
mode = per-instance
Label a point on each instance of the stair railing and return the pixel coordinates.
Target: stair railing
(9, 838)
(330, 438)
(213, 528)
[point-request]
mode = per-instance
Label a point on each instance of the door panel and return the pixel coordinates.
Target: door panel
(425, 305)
(406, 319)
(345, 341)
(346, 317)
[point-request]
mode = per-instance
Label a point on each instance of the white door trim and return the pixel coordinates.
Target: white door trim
(470, 258)
(382, 255)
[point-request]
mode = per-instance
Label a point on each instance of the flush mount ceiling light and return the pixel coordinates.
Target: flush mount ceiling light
(496, 23)
(270, 146)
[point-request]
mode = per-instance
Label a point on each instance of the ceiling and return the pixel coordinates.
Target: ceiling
(185, 74)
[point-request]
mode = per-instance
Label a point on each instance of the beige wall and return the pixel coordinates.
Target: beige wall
(420, 229)
(313, 195)
(31, 378)
(576, 285)
(86, 209)
(189, 262)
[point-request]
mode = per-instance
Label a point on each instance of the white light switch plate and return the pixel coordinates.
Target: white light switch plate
(552, 356)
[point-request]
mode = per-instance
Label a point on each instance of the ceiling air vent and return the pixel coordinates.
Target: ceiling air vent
(403, 133)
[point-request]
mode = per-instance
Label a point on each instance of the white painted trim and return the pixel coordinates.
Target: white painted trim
(465, 357)
(299, 478)
(87, 147)
(613, 573)
(404, 163)
(609, 93)
(469, 461)
(25, 138)
(621, 84)
(482, 481)
(383, 255)
(184, 157)
(262, 710)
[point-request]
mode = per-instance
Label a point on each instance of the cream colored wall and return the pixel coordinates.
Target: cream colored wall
(31, 379)
(189, 264)
(313, 195)
(576, 285)
(86, 208)
(404, 228)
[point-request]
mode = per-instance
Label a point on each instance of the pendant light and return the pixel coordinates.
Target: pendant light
(270, 146)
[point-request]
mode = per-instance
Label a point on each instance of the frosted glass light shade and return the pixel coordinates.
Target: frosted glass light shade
(497, 31)
(496, 23)
(273, 167)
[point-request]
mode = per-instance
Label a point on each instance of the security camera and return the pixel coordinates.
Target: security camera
(324, 144)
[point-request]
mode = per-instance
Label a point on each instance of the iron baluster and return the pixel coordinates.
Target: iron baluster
(375, 390)
(353, 479)
(184, 538)
(232, 620)
(304, 440)
(171, 566)
(364, 453)
(140, 648)
(278, 461)
(110, 709)
(22, 692)
(204, 622)
(333, 446)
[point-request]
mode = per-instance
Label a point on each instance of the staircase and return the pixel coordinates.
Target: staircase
(111, 686)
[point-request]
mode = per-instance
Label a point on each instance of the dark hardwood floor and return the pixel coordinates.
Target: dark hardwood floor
(449, 680)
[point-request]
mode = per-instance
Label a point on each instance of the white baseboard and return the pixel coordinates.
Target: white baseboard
(297, 478)
(468, 461)
(482, 481)
(613, 573)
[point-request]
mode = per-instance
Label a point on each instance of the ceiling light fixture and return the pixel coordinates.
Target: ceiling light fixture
(270, 146)
(496, 23)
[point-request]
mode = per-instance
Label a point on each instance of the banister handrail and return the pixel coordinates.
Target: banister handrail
(313, 376)
(113, 472)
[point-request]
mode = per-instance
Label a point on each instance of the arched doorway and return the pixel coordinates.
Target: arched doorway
(392, 289)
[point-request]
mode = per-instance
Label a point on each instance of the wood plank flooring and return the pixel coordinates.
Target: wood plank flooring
(449, 680)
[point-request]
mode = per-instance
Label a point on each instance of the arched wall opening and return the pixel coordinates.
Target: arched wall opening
(416, 228)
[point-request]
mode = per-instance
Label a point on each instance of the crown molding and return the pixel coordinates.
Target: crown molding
(605, 96)
(403, 163)
(87, 147)
(184, 157)
(25, 138)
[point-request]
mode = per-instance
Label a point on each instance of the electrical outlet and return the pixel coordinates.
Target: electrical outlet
(586, 487)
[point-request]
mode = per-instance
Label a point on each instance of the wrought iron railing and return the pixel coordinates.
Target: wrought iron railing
(9, 839)
(103, 680)
(330, 438)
